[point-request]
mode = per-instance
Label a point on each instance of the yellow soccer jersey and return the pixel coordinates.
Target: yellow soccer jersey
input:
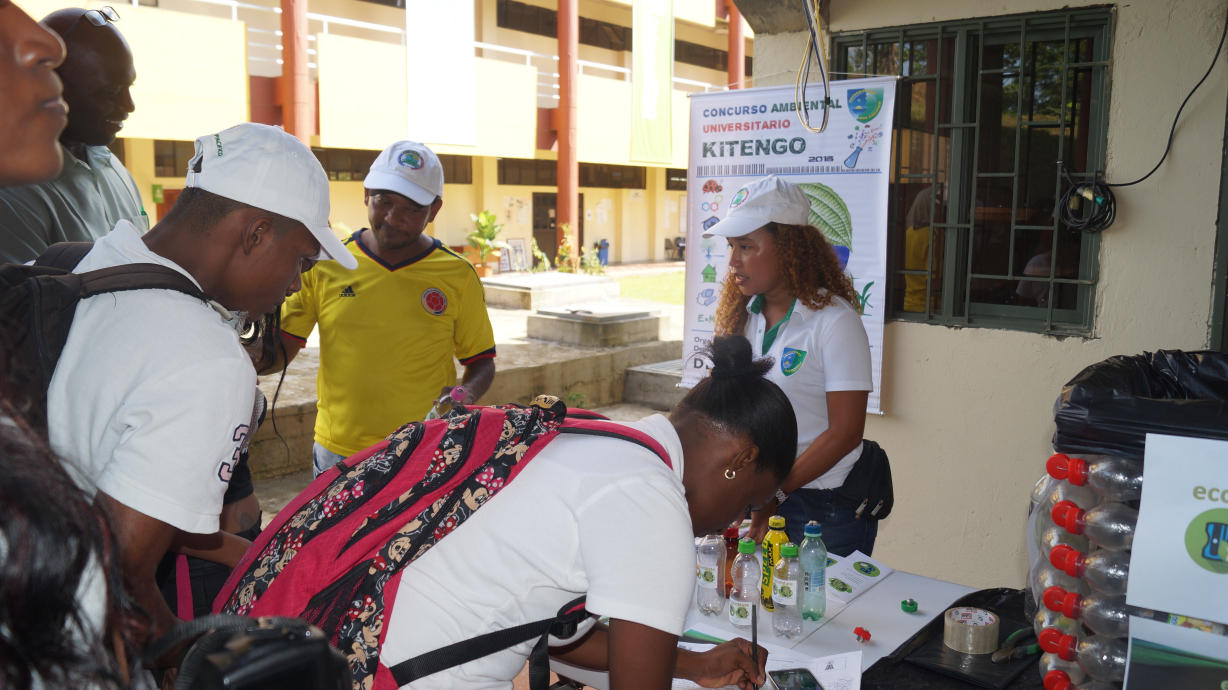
(387, 338)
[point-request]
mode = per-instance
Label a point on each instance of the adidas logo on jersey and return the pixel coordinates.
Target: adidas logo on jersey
(347, 292)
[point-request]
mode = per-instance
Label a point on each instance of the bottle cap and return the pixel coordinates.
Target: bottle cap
(1058, 680)
(813, 529)
(1058, 600)
(776, 522)
(731, 532)
(909, 605)
(788, 550)
(1065, 558)
(745, 545)
(1053, 641)
(1067, 514)
(458, 393)
(1058, 466)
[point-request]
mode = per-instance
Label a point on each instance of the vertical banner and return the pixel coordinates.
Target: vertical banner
(738, 136)
(439, 38)
(652, 76)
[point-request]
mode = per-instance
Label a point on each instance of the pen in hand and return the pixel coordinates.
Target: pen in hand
(754, 639)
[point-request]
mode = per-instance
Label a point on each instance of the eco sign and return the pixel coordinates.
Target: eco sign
(742, 135)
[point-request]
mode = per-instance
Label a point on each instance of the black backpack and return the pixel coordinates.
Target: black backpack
(37, 304)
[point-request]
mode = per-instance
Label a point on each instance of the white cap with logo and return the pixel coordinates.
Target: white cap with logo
(409, 169)
(267, 168)
(766, 200)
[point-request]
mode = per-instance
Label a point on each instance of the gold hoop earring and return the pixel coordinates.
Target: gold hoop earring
(730, 475)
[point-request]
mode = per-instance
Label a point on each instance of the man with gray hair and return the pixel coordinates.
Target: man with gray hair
(93, 191)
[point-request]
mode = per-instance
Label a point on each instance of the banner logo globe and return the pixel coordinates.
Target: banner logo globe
(412, 160)
(434, 301)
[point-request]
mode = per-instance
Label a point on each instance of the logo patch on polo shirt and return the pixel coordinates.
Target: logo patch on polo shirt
(791, 361)
(411, 159)
(434, 301)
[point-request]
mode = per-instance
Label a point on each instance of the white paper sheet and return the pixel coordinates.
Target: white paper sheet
(835, 672)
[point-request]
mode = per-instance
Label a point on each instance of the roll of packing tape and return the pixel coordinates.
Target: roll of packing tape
(969, 630)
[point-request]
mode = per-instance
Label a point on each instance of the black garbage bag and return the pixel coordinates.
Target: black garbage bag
(1111, 406)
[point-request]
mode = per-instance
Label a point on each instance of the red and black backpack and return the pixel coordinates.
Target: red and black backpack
(334, 555)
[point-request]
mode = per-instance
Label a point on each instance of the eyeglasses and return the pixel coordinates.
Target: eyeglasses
(95, 17)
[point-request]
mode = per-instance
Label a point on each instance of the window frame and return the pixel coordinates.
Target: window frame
(963, 124)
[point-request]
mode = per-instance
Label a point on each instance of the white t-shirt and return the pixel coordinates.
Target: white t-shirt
(588, 515)
(152, 396)
(816, 352)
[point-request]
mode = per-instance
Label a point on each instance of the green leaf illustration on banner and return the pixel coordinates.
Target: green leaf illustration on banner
(829, 214)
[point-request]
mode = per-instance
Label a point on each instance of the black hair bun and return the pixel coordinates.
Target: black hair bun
(732, 357)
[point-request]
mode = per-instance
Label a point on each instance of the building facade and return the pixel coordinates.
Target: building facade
(994, 306)
(204, 65)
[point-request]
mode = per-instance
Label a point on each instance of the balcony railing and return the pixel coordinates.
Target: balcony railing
(267, 51)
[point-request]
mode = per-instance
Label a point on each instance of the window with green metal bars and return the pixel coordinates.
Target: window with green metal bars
(993, 120)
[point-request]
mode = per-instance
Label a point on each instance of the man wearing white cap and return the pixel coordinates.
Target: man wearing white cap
(788, 295)
(389, 330)
(151, 399)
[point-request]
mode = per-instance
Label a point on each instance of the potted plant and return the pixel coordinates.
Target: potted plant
(485, 239)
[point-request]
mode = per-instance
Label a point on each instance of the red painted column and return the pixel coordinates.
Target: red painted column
(298, 104)
(569, 165)
(737, 48)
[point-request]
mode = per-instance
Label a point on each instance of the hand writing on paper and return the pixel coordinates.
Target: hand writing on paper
(730, 663)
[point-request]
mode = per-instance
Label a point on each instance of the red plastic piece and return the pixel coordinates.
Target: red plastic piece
(1058, 600)
(1077, 472)
(862, 634)
(1066, 558)
(1058, 680)
(1054, 642)
(1069, 515)
(1058, 466)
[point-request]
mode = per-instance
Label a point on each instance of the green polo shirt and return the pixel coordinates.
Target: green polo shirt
(83, 203)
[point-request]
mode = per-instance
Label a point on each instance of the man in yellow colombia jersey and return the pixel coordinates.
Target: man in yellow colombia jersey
(389, 329)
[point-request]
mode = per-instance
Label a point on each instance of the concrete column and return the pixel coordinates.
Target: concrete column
(486, 183)
(655, 198)
(298, 96)
(569, 163)
(737, 48)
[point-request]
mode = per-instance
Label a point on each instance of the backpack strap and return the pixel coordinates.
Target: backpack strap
(138, 277)
(588, 427)
(562, 626)
(64, 255)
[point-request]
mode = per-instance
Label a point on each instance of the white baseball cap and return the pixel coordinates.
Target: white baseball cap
(267, 168)
(409, 169)
(766, 200)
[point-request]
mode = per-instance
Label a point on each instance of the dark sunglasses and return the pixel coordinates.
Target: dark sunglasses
(95, 17)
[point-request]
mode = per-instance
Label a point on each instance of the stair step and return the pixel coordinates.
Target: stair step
(655, 385)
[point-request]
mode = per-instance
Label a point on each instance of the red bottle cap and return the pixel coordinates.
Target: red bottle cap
(1058, 680)
(862, 634)
(1064, 557)
(1068, 515)
(1054, 642)
(1068, 604)
(731, 532)
(1058, 465)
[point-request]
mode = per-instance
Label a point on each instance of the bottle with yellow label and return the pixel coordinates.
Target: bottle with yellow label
(775, 538)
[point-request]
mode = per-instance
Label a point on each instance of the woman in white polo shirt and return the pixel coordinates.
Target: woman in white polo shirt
(786, 292)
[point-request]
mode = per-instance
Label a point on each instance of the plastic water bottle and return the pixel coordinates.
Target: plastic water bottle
(1103, 658)
(813, 557)
(1060, 680)
(786, 578)
(1057, 536)
(1052, 662)
(1105, 615)
(1045, 618)
(1110, 526)
(745, 592)
(1117, 479)
(710, 576)
(1044, 576)
(1059, 491)
(445, 404)
(731, 554)
(1106, 571)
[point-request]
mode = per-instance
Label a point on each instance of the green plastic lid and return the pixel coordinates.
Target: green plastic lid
(745, 545)
(813, 529)
(776, 522)
(788, 550)
(909, 606)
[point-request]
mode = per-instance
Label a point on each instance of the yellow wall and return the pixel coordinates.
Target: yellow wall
(362, 92)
